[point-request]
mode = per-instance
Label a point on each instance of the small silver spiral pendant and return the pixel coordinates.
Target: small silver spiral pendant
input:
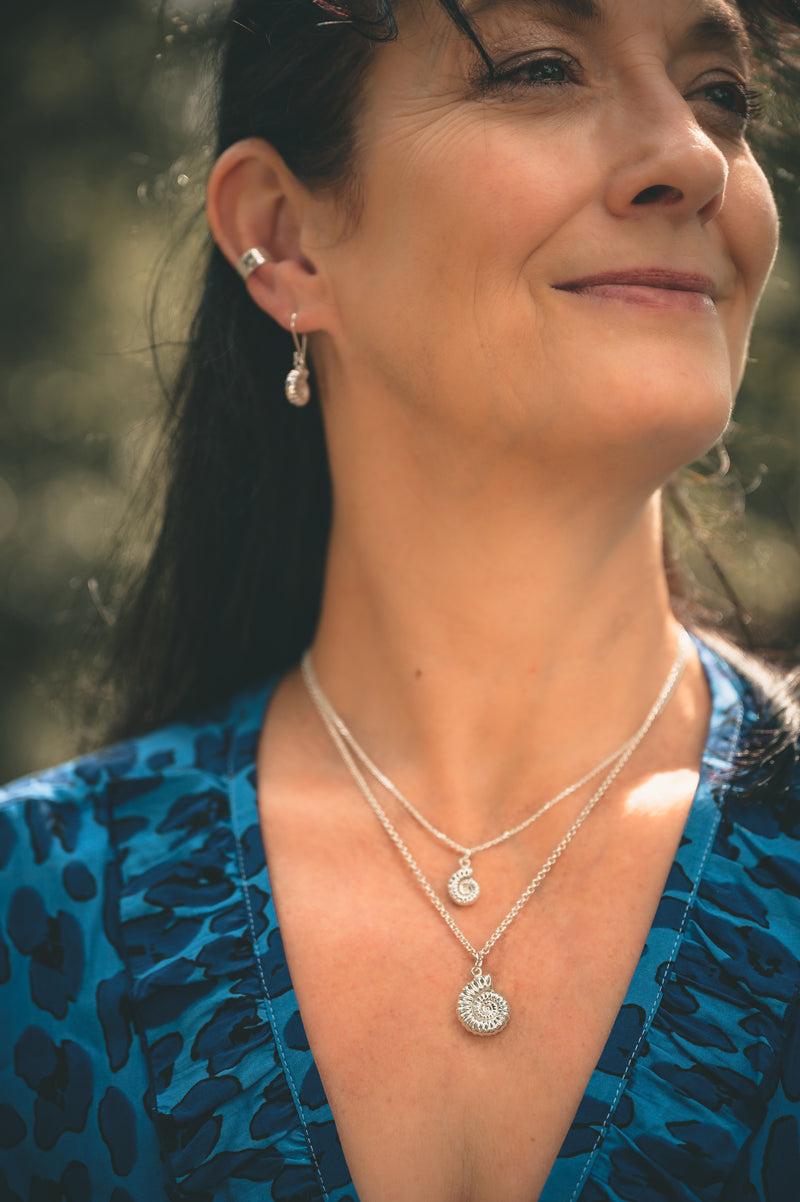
(462, 886)
(482, 1011)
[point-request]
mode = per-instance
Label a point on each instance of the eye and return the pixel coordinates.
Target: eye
(735, 104)
(548, 69)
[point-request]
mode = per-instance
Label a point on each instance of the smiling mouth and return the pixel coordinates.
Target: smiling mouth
(651, 288)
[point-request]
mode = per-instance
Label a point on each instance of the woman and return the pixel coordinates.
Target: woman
(519, 250)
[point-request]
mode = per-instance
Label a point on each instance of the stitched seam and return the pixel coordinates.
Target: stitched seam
(273, 1023)
(657, 1002)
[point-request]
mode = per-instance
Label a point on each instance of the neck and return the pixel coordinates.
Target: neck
(480, 643)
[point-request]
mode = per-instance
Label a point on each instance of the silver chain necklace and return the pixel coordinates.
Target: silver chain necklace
(481, 1010)
(462, 887)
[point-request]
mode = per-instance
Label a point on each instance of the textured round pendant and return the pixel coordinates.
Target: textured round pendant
(297, 389)
(480, 1009)
(462, 886)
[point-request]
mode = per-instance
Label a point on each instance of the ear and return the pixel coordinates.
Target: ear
(254, 200)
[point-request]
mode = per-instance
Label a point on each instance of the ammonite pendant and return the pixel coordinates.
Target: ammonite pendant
(462, 886)
(297, 389)
(482, 1011)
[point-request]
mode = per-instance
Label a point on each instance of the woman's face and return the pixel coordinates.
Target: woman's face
(570, 253)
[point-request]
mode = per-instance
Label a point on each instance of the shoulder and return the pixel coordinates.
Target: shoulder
(751, 883)
(751, 770)
(68, 809)
(759, 706)
(71, 837)
(197, 743)
(106, 862)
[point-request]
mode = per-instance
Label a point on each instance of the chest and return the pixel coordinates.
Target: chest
(424, 1108)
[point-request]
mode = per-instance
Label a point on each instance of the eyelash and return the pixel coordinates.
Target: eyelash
(749, 99)
(520, 74)
(516, 72)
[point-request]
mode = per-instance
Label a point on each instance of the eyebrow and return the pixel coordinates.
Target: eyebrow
(719, 25)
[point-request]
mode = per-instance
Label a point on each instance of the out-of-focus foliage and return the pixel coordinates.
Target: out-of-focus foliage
(102, 148)
(103, 139)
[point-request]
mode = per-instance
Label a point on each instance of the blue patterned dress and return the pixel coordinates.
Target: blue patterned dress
(150, 1042)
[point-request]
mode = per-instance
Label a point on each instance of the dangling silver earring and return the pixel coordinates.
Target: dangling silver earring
(297, 389)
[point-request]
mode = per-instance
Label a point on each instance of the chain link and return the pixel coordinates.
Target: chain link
(328, 716)
(324, 705)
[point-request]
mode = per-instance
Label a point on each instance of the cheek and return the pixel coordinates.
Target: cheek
(751, 226)
(532, 188)
(463, 220)
(480, 189)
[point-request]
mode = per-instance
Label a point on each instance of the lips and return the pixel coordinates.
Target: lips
(650, 287)
(650, 277)
(645, 278)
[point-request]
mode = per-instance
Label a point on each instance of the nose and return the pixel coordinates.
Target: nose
(668, 163)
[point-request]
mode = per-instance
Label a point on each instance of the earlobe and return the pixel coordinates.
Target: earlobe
(256, 208)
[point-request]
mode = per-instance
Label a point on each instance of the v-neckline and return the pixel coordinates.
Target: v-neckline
(627, 1041)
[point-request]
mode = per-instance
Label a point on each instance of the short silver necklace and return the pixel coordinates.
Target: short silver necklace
(462, 886)
(480, 1009)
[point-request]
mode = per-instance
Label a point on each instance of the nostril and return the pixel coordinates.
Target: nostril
(658, 192)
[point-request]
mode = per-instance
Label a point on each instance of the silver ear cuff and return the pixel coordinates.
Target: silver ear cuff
(250, 260)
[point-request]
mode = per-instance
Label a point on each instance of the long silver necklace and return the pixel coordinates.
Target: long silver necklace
(462, 886)
(480, 1009)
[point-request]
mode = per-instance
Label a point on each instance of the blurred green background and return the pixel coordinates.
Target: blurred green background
(105, 139)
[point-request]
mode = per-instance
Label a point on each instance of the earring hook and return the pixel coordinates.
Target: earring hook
(299, 345)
